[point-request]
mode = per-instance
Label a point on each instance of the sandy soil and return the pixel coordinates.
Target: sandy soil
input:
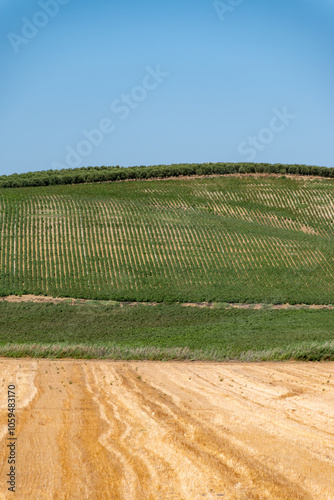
(148, 430)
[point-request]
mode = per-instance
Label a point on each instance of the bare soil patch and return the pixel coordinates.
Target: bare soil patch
(154, 430)
(39, 299)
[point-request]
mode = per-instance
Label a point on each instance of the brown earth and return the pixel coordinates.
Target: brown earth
(169, 430)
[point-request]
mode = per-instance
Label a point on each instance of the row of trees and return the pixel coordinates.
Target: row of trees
(104, 174)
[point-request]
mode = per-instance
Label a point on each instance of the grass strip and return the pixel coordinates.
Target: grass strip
(315, 351)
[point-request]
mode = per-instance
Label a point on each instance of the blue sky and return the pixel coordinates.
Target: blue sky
(151, 82)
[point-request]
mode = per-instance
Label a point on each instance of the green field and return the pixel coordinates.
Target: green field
(165, 331)
(219, 239)
(232, 239)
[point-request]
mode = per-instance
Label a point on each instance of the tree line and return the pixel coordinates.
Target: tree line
(117, 173)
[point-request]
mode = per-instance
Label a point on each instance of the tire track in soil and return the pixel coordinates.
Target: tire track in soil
(82, 426)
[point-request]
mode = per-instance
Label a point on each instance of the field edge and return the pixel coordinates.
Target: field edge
(305, 351)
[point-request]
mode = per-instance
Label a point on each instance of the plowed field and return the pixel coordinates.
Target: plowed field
(169, 430)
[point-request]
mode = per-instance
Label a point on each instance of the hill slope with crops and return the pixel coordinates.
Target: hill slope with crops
(228, 239)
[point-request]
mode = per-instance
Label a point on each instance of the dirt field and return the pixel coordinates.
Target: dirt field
(148, 430)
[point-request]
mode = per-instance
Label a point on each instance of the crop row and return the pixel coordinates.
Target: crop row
(162, 247)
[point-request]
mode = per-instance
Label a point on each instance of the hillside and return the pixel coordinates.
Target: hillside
(225, 238)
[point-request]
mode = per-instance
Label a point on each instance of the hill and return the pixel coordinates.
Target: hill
(224, 238)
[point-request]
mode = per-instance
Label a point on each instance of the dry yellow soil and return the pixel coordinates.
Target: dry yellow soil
(169, 430)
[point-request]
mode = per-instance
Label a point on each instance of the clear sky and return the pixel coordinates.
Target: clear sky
(146, 82)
